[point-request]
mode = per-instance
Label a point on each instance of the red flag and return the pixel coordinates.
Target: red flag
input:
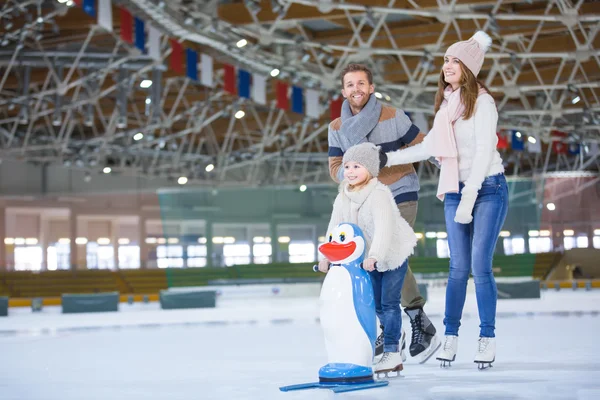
(79, 2)
(335, 107)
(283, 102)
(558, 146)
(126, 26)
(176, 56)
(502, 142)
(229, 78)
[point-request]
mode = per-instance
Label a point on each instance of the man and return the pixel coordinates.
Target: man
(365, 119)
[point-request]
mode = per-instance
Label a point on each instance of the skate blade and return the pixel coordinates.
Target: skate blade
(389, 373)
(445, 363)
(482, 365)
(434, 346)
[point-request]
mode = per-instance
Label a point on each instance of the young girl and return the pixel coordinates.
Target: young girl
(368, 203)
(472, 182)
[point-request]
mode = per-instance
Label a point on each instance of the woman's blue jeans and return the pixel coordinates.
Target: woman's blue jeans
(387, 286)
(472, 250)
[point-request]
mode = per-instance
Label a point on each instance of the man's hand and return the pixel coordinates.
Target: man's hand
(324, 265)
(369, 264)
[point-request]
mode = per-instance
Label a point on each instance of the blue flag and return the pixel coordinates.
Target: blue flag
(192, 64)
(243, 83)
(140, 35)
(517, 141)
(297, 100)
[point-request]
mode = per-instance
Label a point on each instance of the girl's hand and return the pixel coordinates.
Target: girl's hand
(369, 264)
(324, 265)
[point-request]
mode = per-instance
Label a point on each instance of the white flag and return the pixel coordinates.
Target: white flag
(259, 89)
(153, 42)
(206, 70)
(105, 14)
(593, 149)
(534, 147)
(313, 108)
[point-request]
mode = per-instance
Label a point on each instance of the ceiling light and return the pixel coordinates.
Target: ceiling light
(241, 43)
(504, 233)
(575, 100)
(138, 136)
(378, 95)
(551, 206)
(209, 167)
(387, 98)
(274, 72)
(182, 180)
(568, 232)
(531, 140)
(303, 188)
(240, 114)
(518, 134)
(107, 170)
(148, 100)
(146, 83)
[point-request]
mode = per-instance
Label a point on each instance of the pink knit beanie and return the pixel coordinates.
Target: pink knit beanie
(471, 52)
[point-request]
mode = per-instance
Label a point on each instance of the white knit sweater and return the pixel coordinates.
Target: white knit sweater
(390, 239)
(476, 142)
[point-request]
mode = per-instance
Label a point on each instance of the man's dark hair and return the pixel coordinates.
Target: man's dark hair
(356, 68)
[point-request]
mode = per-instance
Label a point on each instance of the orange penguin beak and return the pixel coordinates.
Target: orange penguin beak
(337, 251)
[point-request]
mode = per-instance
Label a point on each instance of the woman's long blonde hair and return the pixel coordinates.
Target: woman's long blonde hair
(469, 90)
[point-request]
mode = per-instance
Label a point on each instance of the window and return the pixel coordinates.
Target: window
(262, 253)
(59, 256)
(129, 257)
(579, 242)
(597, 242)
(28, 258)
(196, 256)
(236, 254)
(540, 245)
(442, 248)
(515, 245)
(170, 256)
(302, 252)
(100, 257)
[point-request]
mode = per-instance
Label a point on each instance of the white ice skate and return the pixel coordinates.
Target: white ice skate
(486, 352)
(390, 362)
(448, 353)
(379, 347)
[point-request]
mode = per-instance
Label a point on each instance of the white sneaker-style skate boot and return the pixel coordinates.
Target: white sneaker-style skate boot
(390, 362)
(486, 352)
(448, 352)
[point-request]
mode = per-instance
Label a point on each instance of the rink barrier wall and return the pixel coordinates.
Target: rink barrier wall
(85, 303)
(47, 284)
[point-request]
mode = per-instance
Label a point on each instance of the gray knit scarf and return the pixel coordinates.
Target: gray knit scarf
(356, 127)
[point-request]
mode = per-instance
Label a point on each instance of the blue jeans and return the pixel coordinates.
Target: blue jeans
(472, 250)
(387, 286)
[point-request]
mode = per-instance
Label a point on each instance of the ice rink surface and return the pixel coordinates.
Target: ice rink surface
(246, 349)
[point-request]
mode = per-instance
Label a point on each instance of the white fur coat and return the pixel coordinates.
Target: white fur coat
(390, 239)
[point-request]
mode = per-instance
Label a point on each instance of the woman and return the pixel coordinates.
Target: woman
(472, 186)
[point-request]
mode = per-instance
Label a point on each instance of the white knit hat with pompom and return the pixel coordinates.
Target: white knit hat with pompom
(471, 52)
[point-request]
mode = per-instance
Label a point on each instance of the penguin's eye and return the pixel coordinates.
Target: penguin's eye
(342, 237)
(330, 237)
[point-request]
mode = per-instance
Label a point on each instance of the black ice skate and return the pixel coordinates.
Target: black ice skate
(379, 344)
(424, 342)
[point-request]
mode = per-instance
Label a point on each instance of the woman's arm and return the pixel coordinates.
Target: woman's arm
(408, 155)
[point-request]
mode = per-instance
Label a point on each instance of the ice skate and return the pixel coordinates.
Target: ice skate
(486, 352)
(379, 346)
(390, 362)
(424, 342)
(448, 353)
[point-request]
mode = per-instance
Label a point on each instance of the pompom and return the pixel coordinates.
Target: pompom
(484, 40)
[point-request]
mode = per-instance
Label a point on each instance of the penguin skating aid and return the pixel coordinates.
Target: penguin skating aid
(347, 315)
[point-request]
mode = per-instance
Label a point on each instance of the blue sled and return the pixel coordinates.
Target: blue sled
(335, 387)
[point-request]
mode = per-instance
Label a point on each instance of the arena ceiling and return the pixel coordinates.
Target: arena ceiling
(70, 90)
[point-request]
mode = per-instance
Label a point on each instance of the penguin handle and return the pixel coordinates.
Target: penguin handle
(315, 267)
(375, 265)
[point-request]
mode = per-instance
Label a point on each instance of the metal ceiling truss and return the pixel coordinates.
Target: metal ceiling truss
(78, 101)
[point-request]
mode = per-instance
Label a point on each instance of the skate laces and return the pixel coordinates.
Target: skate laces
(483, 343)
(417, 329)
(448, 343)
(379, 340)
(386, 356)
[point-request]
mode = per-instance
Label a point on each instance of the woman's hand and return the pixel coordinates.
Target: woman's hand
(369, 264)
(324, 265)
(464, 212)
